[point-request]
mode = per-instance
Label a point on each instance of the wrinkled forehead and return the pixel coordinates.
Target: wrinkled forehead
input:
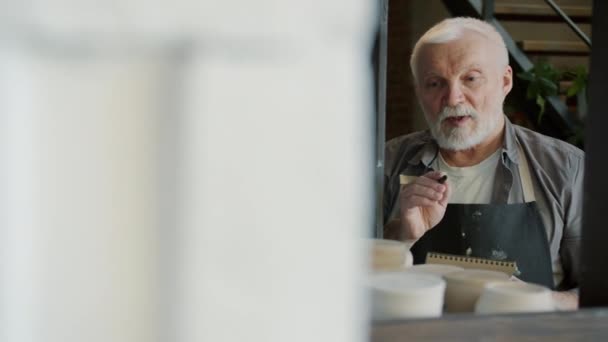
(463, 52)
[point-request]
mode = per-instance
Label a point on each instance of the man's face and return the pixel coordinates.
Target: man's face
(461, 87)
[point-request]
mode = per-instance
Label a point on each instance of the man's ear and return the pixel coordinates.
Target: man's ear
(507, 80)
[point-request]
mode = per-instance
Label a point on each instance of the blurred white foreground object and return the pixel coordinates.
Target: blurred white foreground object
(185, 171)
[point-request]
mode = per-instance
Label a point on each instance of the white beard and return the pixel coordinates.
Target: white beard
(462, 138)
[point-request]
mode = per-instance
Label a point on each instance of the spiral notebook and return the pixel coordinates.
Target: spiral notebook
(508, 267)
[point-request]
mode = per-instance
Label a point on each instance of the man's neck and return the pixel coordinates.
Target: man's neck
(476, 154)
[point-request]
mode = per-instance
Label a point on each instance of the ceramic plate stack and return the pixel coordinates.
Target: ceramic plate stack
(514, 297)
(406, 295)
(389, 255)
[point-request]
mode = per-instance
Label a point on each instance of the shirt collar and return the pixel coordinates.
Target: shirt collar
(509, 148)
(427, 153)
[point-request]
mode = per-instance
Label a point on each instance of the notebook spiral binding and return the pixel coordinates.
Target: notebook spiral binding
(508, 267)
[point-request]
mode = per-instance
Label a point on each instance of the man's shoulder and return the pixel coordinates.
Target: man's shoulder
(543, 145)
(411, 141)
(402, 150)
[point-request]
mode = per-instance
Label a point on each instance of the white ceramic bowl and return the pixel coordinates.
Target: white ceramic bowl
(406, 295)
(514, 297)
(388, 255)
(465, 287)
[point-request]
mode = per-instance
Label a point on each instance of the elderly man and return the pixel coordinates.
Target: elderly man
(510, 194)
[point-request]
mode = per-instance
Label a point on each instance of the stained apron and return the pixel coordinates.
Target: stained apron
(504, 232)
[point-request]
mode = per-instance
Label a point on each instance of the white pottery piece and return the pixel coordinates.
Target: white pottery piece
(465, 287)
(514, 297)
(398, 295)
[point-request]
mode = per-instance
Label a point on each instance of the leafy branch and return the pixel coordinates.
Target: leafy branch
(544, 80)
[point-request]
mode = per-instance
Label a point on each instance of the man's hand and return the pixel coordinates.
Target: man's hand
(422, 204)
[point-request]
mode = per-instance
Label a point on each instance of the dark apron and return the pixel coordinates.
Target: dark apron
(504, 232)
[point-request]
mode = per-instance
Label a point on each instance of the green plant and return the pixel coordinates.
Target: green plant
(544, 81)
(579, 77)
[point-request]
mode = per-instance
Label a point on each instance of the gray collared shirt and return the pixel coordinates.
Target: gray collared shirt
(557, 170)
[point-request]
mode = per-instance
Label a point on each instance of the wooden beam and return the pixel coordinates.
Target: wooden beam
(540, 12)
(554, 47)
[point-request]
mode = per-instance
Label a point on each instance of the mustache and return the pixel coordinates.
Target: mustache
(455, 111)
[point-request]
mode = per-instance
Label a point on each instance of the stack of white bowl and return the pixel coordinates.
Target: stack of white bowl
(398, 295)
(435, 269)
(513, 297)
(465, 287)
(402, 290)
(491, 292)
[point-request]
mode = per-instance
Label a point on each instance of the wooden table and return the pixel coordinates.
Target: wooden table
(581, 325)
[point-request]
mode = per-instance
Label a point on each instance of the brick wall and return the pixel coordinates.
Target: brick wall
(407, 20)
(399, 86)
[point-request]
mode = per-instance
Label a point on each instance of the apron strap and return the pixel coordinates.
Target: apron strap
(525, 177)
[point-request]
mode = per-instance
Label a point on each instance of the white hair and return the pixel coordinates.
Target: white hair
(452, 29)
